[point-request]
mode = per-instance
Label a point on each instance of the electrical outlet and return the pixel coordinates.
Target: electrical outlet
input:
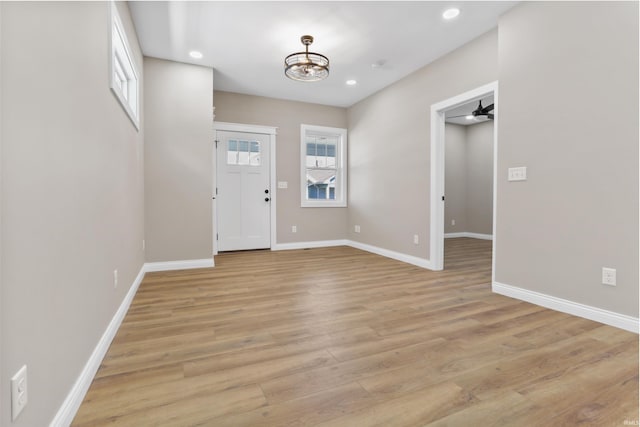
(18, 392)
(294, 229)
(115, 278)
(609, 276)
(416, 240)
(453, 222)
(356, 228)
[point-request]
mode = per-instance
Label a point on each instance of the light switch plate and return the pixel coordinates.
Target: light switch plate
(518, 174)
(283, 184)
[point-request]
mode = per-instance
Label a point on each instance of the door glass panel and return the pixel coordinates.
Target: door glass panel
(243, 153)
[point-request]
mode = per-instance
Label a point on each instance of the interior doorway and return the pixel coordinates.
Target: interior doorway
(437, 197)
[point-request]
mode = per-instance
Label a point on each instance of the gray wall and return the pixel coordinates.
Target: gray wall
(72, 192)
(178, 161)
(455, 178)
(480, 178)
(312, 223)
(389, 146)
(578, 64)
(469, 178)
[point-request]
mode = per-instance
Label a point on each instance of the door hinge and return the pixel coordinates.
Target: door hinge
(216, 191)
(216, 236)
(216, 141)
(443, 198)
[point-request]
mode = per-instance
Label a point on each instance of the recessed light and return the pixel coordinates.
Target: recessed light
(469, 117)
(195, 54)
(351, 82)
(451, 13)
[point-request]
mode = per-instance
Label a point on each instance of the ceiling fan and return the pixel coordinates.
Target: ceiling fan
(480, 111)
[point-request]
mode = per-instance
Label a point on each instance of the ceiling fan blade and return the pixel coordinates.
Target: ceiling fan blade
(486, 109)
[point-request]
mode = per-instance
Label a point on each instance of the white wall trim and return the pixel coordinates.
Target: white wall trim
(271, 131)
(468, 234)
(240, 127)
(179, 265)
(308, 245)
(409, 259)
(71, 404)
(436, 230)
(607, 317)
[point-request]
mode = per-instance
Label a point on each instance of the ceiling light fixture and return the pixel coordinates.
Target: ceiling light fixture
(195, 54)
(306, 66)
(451, 13)
(351, 82)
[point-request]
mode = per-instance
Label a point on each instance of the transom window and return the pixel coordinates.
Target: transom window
(243, 153)
(124, 77)
(323, 165)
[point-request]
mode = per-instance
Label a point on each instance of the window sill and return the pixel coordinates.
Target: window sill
(323, 205)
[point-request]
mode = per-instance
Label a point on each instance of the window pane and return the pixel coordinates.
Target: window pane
(243, 153)
(311, 149)
(243, 157)
(318, 180)
(312, 192)
(254, 159)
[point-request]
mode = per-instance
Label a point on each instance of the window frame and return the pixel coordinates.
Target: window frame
(341, 167)
(126, 88)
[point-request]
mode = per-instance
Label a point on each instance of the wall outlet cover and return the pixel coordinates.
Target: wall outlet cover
(608, 276)
(19, 396)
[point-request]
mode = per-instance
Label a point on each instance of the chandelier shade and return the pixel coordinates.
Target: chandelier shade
(306, 66)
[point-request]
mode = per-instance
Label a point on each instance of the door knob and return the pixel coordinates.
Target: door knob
(266, 199)
(266, 191)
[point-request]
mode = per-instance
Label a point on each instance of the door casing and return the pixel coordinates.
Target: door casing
(271, 132)
(436, 250)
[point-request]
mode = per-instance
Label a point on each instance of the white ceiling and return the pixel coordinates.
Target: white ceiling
(246, 42)
(466, 109)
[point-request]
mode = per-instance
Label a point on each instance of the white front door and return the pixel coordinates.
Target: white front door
(243, 191)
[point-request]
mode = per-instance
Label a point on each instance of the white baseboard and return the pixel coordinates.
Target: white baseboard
(410, 259)
(468, 234)
(309, 245)
(611, 318)
(71, 404)
(420, 262)
(179, 265)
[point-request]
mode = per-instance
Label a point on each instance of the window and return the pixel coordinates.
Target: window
(124, 78)
(243, 153)
(323, 164)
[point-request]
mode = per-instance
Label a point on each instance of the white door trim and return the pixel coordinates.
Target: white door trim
(436, 252)
(265, 130)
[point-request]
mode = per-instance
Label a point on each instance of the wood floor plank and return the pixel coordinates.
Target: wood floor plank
(337, 336)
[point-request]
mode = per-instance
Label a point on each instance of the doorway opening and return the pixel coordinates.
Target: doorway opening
(437, 197)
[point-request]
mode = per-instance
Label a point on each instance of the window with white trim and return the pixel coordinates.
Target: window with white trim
(323, 161)
(124, 77)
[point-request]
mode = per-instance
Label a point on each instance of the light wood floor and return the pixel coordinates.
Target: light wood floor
(341, 337)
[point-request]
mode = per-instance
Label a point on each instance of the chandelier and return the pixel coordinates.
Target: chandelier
(306, 66)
